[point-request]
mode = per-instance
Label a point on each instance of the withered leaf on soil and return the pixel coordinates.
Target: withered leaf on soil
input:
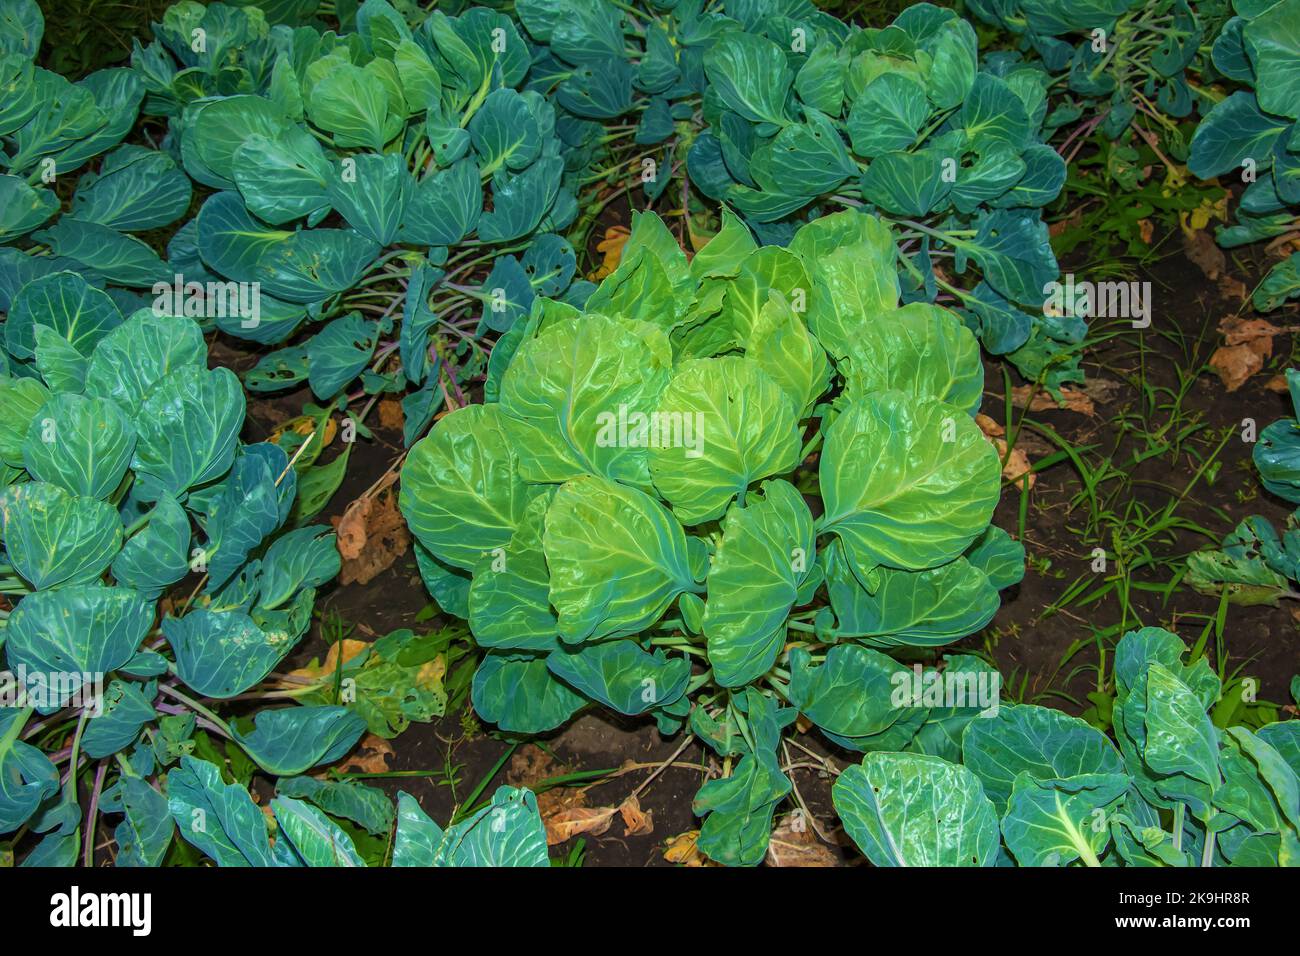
(569, 823)
(371, 755)
(682, 849)
(1199, 246)
(1248, 344)
(637, 822)
(794, 843)
(371, 536)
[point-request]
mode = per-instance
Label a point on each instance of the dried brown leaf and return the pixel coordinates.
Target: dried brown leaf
(794, 843)
(636, 821)
(566, 824)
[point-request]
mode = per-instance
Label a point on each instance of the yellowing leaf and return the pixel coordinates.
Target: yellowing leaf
(611, 247)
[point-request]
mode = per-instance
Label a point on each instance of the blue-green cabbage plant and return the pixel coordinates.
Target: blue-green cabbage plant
(1254, 132)
(328, 823)
(392, 194)
(1119, 60)
(784, 113)
(50, 130)
(636, 521)
(123, 473)
(1035, 787)
(1256, 565)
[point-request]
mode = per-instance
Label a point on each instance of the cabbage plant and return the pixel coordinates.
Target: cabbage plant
(125, 474)
(784, 113)
(1256, 565)
(1121, 62)
(721, 494)
(392, 193)
(50, 129)
(1036, 787)
(1254, 133)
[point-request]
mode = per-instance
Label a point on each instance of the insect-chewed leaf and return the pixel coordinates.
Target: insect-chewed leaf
(914, 810)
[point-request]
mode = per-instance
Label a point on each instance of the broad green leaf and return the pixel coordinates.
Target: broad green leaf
(23, 208)
(724, 253)
(126, 708)
(83, 445)
(920, 349)
(231, 241)
(317, 840)
(445, 206)
(908, 184)
(66, 303)
(854, 692)
(721, 424)
(504, 133)
(103, 253)
(302, 558)
(1272, 41)
(371, 192)
(1232, 132)
(925, 608)
(351, 103)
(220, 819)
(27, 778)
(906, 484)
(888, 115)
(620, 675)
(314, 264)
(146, 829)
(292, 740)
(1038, 741)
(55, 539)
(136, 189)
(617, 559)
(1054, 822)
(749, 74)
(1180, 737)
(461, 493)
(580, 397)
(781, 345)
(914, 810)
(188, 427)
(78, 632)
(520, 695)
(339, 352)
(367, 806)
(509, 597)
(224, 653)
(215, 128)
(158, 555)
(851, 257)
(766, 553)
(285, 177)
(21, 398)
